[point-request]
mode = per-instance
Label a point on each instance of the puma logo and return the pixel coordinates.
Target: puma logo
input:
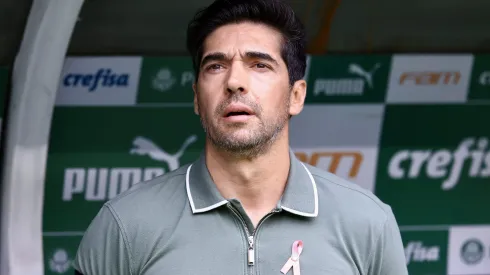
(367, 75)
(144, 146)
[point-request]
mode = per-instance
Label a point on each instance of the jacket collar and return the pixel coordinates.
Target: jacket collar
(300, 195)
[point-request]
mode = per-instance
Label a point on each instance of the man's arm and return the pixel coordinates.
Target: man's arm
(104, 248)
(388, 256)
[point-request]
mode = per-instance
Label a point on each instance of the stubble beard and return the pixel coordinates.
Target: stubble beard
(258, 140)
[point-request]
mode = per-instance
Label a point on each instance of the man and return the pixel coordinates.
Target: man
(247, 205)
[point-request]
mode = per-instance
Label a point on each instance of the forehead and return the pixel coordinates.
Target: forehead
(245, 36)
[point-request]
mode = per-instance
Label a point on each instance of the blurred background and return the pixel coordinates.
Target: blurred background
(398, 102)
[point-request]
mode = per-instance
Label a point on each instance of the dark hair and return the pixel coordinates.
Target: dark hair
(274, 13)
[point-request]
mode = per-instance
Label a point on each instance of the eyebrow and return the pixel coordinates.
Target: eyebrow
(219, 56)
(213, 57)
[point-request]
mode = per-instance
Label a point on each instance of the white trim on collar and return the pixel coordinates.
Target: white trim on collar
(204, 209)
(189, 195)
(315, 192)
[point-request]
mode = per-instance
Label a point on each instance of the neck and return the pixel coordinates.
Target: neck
(258, 183)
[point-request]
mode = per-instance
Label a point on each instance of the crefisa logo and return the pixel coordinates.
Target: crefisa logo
(104, 77)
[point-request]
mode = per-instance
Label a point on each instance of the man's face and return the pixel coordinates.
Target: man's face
(243, 94)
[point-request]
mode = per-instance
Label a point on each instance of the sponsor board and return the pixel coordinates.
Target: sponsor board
(425, 251)
(438, 157)
(97, 153)
(469, 250)
(166, 80)
(429, 78)
(480, 78)
(101, 184)
(346, 147)
(101, 81)
(356, 165)
(59, 254)
(350, 125)
(334, 79)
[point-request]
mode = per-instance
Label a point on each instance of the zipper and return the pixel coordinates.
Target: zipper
(251, 251)
(250, 237)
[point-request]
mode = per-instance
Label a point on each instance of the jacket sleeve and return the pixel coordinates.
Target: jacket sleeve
(388, 255)
(104, 249)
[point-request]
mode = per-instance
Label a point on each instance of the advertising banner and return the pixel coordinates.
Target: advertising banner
(434, 164)
(429, 79)
(480, 79)
(426, 251)
(342, 139)
(349, 78)
(166, 80)
(99, 81)
(97, 153)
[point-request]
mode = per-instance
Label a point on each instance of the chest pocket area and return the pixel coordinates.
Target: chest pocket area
(325, 263)
(316, 258)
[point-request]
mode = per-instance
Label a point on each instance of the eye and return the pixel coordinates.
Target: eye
(262, 66)
(214, 67)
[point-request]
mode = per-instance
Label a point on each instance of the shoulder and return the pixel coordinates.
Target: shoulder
(157, 193)
(151, 206)
(146, 213)
(359, 217)
(353, 202)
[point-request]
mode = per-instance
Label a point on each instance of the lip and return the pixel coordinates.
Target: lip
(235, 108)
(237, 118)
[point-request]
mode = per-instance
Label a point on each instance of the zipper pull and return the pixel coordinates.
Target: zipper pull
(251, 252)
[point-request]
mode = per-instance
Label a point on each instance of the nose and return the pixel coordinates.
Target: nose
(237, 79)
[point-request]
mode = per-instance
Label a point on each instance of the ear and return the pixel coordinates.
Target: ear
(297, 99)
(196, 106)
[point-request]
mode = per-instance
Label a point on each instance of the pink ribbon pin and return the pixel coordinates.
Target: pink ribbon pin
(293, 261)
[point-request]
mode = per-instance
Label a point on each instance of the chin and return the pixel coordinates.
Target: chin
(241, 136)
(235, 128)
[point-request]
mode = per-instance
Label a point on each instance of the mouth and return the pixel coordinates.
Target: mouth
(238, 110)
(242, 113)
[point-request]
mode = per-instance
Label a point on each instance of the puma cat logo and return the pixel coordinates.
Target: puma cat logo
(367, 75)
(144, 146)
